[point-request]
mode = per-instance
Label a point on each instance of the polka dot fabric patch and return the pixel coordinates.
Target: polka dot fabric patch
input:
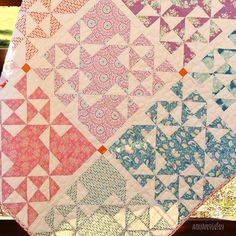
(117, 116)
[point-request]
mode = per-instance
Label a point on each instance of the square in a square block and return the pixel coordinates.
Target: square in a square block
(102, 149)
(26, 68)
(183, 72)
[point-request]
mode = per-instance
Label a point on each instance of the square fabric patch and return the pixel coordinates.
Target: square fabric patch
(117, 116)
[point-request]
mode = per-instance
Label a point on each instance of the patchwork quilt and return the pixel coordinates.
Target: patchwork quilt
(118, 117)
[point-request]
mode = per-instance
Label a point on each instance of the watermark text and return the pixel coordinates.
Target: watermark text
(208, 226)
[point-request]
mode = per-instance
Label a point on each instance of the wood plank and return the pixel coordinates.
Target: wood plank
(10, 2)
(3, 52)
(193, 227)
(11, 228)
(207, 227)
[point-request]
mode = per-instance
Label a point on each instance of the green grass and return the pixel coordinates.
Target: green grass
(7, 22)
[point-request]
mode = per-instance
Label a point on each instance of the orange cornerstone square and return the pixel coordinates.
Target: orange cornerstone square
(102, 149)
(25, 68)
(183, 72)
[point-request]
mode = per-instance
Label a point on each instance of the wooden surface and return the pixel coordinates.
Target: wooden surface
(10, 2)
(11, 228)
(203, 227)
(2, 57)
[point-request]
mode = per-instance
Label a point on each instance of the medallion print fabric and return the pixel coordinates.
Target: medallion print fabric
(117, 116)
